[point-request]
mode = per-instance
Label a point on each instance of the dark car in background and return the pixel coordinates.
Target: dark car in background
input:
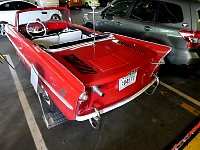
(170, 22)
(104, 3)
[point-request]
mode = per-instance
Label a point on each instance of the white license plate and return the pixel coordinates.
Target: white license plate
(127, 80)
(75, 0)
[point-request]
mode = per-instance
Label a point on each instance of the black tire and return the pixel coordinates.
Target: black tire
(86, 5)
(55, 17)
(89, 25)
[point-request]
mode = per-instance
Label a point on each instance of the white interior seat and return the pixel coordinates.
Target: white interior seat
(70, 36)
(60, 38)
(47, 40)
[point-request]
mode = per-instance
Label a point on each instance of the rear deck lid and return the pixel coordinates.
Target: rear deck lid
(105, 61)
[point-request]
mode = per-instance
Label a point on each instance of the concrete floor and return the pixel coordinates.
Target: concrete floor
(148, 122)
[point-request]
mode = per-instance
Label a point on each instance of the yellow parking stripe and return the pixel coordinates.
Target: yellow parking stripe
(181, 94)
(1, 56)
(190, 109)
(194, 144)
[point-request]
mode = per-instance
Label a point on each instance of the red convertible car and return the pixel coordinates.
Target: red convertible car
(81, 72)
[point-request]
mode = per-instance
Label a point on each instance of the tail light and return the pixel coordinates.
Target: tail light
(82, 102)
(83, 96)
(192, 38)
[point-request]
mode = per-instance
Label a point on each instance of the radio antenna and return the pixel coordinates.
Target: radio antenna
(94, 6)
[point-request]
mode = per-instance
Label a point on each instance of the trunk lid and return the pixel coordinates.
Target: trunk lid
(105, 61)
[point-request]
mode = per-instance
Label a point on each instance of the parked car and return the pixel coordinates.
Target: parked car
(171, 22)
(104, 3)
(8, 8)
(81, 72)
(87, 3)
(74, 3)
(45, 3)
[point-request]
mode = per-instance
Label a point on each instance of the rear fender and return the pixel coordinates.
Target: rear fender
(152, 51)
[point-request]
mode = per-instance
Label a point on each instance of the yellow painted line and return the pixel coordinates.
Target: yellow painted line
(190, 109)
(1, 56)
(194, 144)
(181, 94)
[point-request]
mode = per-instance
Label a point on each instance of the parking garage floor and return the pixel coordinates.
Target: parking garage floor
(153, 122)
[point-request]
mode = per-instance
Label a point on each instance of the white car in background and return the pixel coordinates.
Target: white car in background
(8, 9)
(87, 3)
(45, 3)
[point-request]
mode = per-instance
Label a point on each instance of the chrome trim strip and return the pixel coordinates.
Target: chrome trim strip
(42, 79)
(107, 109)
(78, 45)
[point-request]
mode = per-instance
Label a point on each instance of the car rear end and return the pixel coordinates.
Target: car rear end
(113, 71)
(74, 3)
(192, 36)
(178, 27)
(127, 69)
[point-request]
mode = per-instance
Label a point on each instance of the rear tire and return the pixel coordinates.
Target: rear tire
(86, 5)
(55, 17)
(89, 25)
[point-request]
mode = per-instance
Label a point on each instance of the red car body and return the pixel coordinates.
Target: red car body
(89, 76)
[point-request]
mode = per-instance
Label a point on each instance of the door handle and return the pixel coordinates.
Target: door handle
(147, 28)
(44, 12)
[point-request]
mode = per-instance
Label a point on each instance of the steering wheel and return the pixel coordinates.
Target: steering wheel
(36, 28)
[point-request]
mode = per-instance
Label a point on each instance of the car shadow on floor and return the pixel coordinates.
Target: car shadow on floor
(179, 71)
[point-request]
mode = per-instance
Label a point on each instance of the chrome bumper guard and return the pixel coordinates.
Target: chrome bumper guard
(95, 116)
(154, 86)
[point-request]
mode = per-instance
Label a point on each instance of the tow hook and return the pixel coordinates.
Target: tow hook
(95, 121)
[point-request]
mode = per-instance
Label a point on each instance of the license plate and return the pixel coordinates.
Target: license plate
(127, 80)
(75, 0)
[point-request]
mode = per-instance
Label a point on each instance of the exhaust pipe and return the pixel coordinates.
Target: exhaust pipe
(97, 90)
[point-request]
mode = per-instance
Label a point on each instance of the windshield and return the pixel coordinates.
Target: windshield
(42, 14)
(118, 8)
